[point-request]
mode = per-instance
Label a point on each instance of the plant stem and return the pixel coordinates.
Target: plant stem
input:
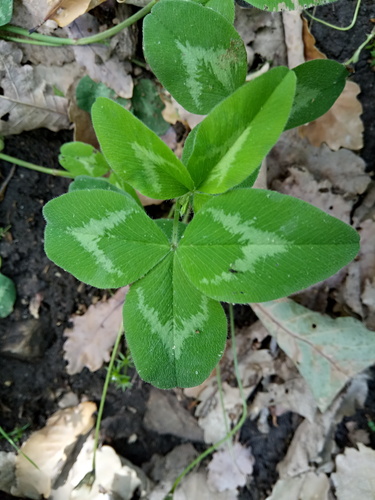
(176, 220)
(104, 394)
(355, 56)
(99, 37)
(234, 430)
(346, 28)
(38, 168)
(12, 443)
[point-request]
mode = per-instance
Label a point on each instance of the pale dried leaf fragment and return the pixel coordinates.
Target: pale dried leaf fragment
(26, 102)
(113, 478)
(344, 169)
(93, 334)
(313, 442)
(230, 468)
(327, 352)
(309, 486)
(65, 12)
(49, 448)
(355, 476)
(101, 62)
(195, 487)
(292, 23)
(341, 126)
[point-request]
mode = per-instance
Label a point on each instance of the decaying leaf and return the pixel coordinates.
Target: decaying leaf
(341, 126)
(65, 12)
(301, 184)
(165, 415)
(230, 468)
(344, 169)
(355, 474)
(195, 486)
(115, 478)
(26, 102)
(327, 352)
(101, 63)
(308, 486)
(92, 337)
(49, 448)
(313, 442)
(310, 50)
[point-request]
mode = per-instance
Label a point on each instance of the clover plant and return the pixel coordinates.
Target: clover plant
(242, 245)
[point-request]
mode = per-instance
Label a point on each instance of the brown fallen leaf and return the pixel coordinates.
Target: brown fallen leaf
(341, 126)
(92, 337)
(65, 12)
(310, 50)
(26, 103)
(49, 448)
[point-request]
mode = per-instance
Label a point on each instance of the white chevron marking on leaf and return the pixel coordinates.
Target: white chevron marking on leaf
(198, 59)
(175, 331)
(90, 235)
(256, 244)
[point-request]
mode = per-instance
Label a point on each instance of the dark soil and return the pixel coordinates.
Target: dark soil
(32, 381)
(340, 46)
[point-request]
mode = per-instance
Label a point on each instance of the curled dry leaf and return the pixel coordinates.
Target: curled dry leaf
(341, 126)
(65, 12)
(26, 103)
(92, 337)
(49, 448)
(113, 478)
(310, 50)
(355, 474)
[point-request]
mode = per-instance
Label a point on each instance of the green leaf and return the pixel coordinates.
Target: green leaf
(287, 4)
(88, 91)
(234, 138)
(176, 335)
(136, 154)
(195, 53)
(7, 296)
(79, 158)
(166, 225)
(6, 11)
(103, 238)
(319, 84)
(223, 7)
(124, 186)
(251, 245)
(147, 106)
(327, 352)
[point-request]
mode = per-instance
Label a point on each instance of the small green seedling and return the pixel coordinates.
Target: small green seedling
(119, 373)
(242, 245)
(8, 291)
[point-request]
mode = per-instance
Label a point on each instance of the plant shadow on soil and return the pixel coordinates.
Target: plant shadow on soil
(33, 377)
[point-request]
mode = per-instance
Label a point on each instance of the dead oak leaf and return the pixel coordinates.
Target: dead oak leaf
(92, 337)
